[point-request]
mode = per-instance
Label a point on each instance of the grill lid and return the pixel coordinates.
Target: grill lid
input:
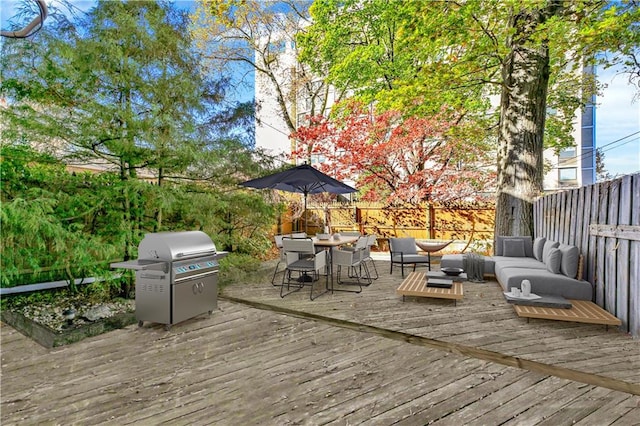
(169, 246)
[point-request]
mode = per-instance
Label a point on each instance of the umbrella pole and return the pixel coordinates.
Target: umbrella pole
(305, 213)
(305, 277)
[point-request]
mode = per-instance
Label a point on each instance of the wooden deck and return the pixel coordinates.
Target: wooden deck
(342, 359)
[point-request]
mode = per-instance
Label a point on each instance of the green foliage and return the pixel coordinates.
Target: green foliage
(236, 266)
(47, 221)
(121, 89)
(420, 56)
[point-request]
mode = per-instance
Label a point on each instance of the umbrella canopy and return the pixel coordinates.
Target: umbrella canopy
(302, 179)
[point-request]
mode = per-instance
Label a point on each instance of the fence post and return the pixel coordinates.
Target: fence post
(432, 222)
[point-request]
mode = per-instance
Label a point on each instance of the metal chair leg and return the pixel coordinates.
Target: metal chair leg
(375, 269)
(273, 279)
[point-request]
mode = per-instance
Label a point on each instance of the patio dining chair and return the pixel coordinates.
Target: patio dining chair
(372, 240)
(350, 234)
(303, 265)
(405, 252)
(282, 259)
(353, 260)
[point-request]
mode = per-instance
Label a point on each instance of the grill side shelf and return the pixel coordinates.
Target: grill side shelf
(142, 265)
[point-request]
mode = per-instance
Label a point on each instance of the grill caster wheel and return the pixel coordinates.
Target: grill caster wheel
(210, 312)
(167, 327)
(140, 323)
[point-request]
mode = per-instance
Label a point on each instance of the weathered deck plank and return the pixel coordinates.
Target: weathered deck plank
(252, 366)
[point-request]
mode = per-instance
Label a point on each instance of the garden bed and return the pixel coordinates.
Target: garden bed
(46, 324)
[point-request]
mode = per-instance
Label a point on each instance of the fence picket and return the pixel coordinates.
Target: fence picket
(592, 254)
(611, 247)
(634, 262)
(622, 252)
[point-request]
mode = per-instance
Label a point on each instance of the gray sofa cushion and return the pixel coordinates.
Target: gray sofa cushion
(538, 247)
(545, 282)
(410, 258)
(528, 245)
(513, 248)
(554, 260)
(548, 245)
(517, 262)
(570, 257)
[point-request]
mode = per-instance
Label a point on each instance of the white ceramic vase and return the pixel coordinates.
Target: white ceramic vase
(525, 286)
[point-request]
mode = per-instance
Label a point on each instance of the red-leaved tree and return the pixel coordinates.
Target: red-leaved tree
(398, 159)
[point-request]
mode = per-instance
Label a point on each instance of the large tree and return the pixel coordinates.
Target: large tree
(421, 56)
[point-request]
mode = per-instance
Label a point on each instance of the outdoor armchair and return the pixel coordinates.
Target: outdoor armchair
(405, 252)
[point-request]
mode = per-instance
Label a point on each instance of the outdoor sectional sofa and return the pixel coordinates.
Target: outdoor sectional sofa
(552, 268)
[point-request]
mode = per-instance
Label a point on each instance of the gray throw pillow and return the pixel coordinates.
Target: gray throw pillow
(554, 259)
(538, 246)
(570, 256)
(548, 245)
(527, 241)
(513, 248)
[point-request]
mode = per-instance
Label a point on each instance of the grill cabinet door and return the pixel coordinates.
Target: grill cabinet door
(195, 296)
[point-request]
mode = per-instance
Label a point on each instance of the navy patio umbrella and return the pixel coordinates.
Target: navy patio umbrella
(302, 179)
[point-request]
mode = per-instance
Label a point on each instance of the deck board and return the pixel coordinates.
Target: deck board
(244, 365)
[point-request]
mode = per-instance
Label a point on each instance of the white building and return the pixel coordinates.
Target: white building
(271, 130)
(576, 166)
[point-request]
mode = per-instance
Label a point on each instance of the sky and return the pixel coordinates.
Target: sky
(617, 115)
(618, 123)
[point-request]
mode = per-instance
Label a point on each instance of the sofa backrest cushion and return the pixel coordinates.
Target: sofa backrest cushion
(513, 248)
(570, 257)
(554, 259)
(528, 245)
(538, 247)
(548, 245)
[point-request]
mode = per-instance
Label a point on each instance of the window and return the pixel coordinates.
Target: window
(568, 174)
(567, 152)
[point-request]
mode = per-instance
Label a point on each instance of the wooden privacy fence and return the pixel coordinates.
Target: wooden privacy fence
(467, 223)
(603, 221)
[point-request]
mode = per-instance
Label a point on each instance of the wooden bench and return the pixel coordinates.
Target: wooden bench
(580, 311)
(416, 285)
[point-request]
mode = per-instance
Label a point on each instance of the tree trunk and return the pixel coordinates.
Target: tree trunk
(523, 102)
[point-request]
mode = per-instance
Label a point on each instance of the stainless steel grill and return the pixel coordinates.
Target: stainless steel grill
(176, 277)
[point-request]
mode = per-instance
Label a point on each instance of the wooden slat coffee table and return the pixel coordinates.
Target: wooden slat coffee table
(580, 311)
(416, 285)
